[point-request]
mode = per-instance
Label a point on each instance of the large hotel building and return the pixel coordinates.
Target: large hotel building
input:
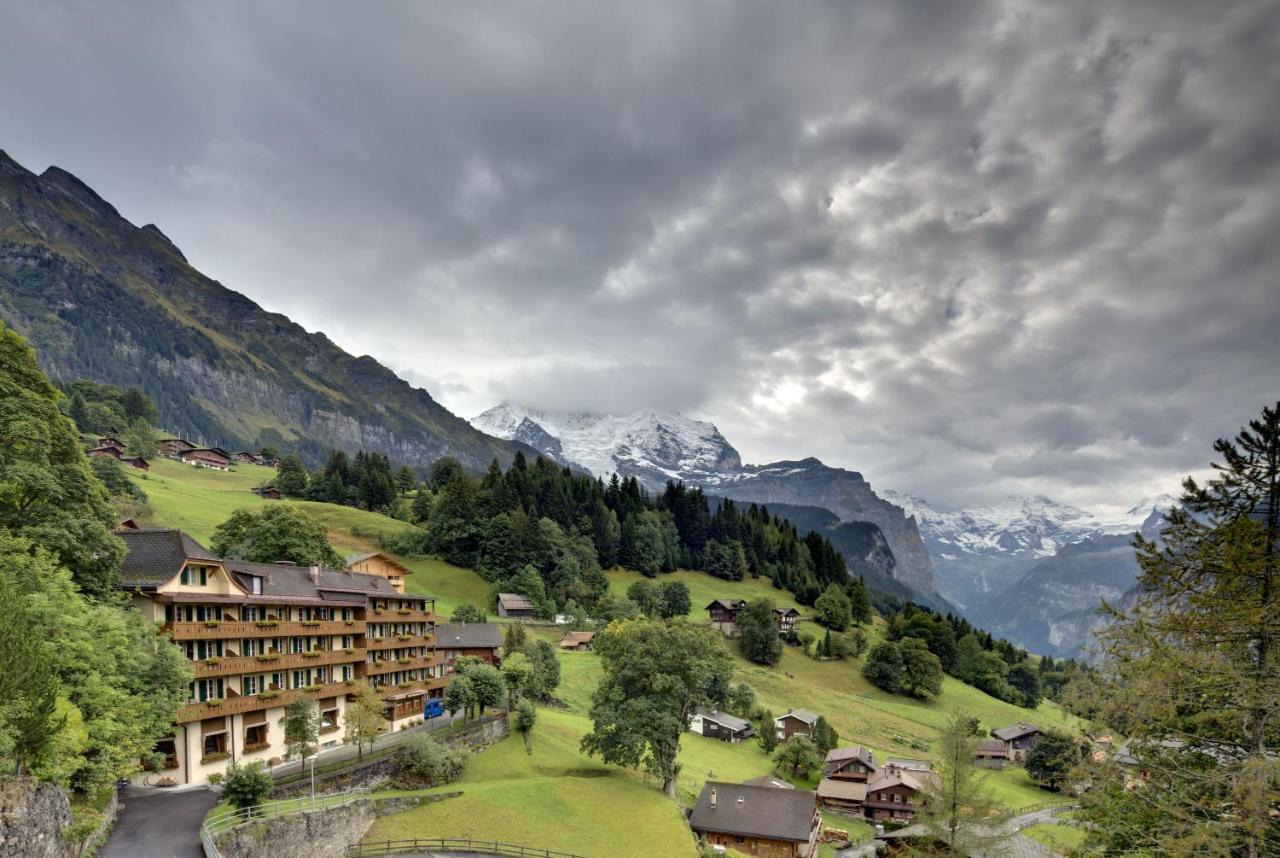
(260, 636)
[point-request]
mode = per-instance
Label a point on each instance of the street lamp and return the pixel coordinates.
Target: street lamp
(312, 760)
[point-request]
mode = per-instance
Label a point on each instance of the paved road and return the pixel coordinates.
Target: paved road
(155, 823)
(329, 756)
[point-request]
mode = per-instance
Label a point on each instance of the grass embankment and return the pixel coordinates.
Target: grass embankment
(1060, 838)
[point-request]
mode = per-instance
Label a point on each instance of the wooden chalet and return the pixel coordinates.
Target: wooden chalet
(515, 605)
(786, 619)
(377, 563)
(580, 641)
(173, 447)
(111, 441)
(715, 724)
(268, 492)
(991, 754)
(896, 793)
(795, 721)
(1018, 740)
(137, 462)
(757, 820)
(724, 614)
(847, 796)
(105, 451)
(476, 640)
(243, 457)
(207, 457)
(853, 763)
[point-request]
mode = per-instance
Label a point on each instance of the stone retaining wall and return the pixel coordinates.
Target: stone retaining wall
(32, 816)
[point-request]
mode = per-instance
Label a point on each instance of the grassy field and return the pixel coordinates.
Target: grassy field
(703, 589)
(1061, 838)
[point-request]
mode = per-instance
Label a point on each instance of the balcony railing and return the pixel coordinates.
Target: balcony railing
(264, 700)
(262, 663)
(391, 665)
(399, 615)
(215, 630)
(398, 641)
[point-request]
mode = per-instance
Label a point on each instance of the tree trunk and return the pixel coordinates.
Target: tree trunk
(527, 748)
(669, 786)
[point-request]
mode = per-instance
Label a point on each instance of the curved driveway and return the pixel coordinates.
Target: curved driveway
(157, 823)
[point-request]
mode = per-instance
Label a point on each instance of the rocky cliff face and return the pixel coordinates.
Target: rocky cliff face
(32, 817)
(102, 299)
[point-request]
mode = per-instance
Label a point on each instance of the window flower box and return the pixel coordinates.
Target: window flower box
(213, 701)
(348, 622)
(404, 611)
(212, 661)
(266, 624)
(268, 695)
(310, 622)
(404, 661)
(350, 651)
(377, 610)
(405, 685)
(404, 637)
(312, 689)
(212, 624)
(313, 653)
(213, 758)
(256, 746)
(273, 656)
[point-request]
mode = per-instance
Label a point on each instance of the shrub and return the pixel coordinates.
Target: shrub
(425, 761)
(247, 786)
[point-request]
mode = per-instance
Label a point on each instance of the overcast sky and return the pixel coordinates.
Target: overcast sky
(967, 249)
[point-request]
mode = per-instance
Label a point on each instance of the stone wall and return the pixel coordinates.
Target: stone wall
(315, 834)
(32, 816)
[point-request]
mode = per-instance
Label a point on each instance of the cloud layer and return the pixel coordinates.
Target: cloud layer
(967, 249)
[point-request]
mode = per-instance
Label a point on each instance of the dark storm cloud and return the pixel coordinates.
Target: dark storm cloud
(968, 249)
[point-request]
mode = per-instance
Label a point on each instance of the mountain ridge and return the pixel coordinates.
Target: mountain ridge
(101, 298)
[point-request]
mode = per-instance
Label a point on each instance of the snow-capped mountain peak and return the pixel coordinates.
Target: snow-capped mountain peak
(653, 445)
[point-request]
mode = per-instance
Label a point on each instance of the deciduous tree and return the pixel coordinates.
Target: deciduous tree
(758, 632)
(301, 725)
(365, 717)
(274, 533)
(799, 755)
(525, 716)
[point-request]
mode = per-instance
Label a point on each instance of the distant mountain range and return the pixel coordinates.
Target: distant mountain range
(102, 299)
(656, 446)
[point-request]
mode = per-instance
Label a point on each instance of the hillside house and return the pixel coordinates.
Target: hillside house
(259, 636)
(724, 614)
(104, 452)
(1018, 740)
(579, 641)
(757, 820)
(207, 457)
(243, 457)
(795, 721)
(173, 448)
(477, 640)
(896, 793)
(111, 441)
(786, 619)
(715, 724)
(771, 781)
(377, 563)
(991, 754)
(846, 796)
(267, 492)
(137, 462)
(853, 763)
(515, 606)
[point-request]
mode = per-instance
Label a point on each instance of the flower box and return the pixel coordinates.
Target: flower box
(348, 622)
(314, 653)
(212, 662)
(256, 746)
(213, 701)
(213, 758)
(405, 611)
(212, 624)
(268, 657)
(310, 622)
(350, 651)
(404, 637)
(405, 685)
(266, 624)
(404, 661)
(268, 695)
(312, 689)
(377, 610)
(348, 682)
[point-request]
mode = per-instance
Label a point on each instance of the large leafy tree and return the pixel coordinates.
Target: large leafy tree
(1191, 669)
(365, 718)
(758, 632)
(799, 755)
(921, 669)
(834, 609)
(291, 476)
(1053, 758)
(47, 492)
(273, 533)
(655, 675)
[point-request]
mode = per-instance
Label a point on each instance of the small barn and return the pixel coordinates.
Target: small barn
(1018, 740)
(715, 724)
(515, 606)
(580, 641)
(991, 754)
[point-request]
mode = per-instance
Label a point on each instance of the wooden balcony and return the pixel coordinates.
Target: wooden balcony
(398, 641)
(395, 615)
(261, 664)
(260, 629)
(254, 702)
(391, 665)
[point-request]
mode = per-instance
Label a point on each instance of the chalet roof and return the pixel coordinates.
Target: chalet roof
(155, 556)
(755, 811)
(105, 448)
(577, 638)
(887, 779)
(353, 559)
(468, 635)
(908, 764)
(1015, 731)
(215, 450)
(990, 748)
(515, 602)
(842, 789)
(291, 581)
(176, 441)
(771, 781)
(786, 612)
(724, 719)
(800, 715)
(852, 752)
(727, 604)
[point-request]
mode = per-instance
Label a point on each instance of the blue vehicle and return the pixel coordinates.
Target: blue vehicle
(433, 707)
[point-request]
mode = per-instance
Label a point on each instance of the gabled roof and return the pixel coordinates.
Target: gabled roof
(786, 612)
(908, 764)
(771, 781)
(724, 719)
(800, 715)
(842, 789)
(727, 604)
(290, 581)
(1015, 731)
(353, 559)
(577, 638)
(755, 811)
(216, 450)
(468, 635)
(887, 779)
(990, 748)
(515, 602)
(852, 752)
(155, 556)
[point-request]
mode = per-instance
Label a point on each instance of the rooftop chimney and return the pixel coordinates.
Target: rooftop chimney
(314, 572)
(713, 798)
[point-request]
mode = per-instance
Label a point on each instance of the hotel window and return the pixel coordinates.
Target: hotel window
(249, 613)
(208, 689)
(277, 681)
(252, 685)
(295, 645)
(299, 679)
(346, 672)
(321, 674)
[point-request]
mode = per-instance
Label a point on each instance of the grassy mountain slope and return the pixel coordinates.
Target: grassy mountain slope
(552, 798)
(102, 299)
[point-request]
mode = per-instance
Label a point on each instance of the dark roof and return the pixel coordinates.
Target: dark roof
(755, 811)
(468, 635)
(515, 601)
(853, 752)
(280, 579)
(907, 765)
(800, 715)
(988, 747)
(727, 604)
(771, 781)
(1015, 731)
(215, 450)
(784, 612)
(733, 722)
(353, 559)
(155, 556)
